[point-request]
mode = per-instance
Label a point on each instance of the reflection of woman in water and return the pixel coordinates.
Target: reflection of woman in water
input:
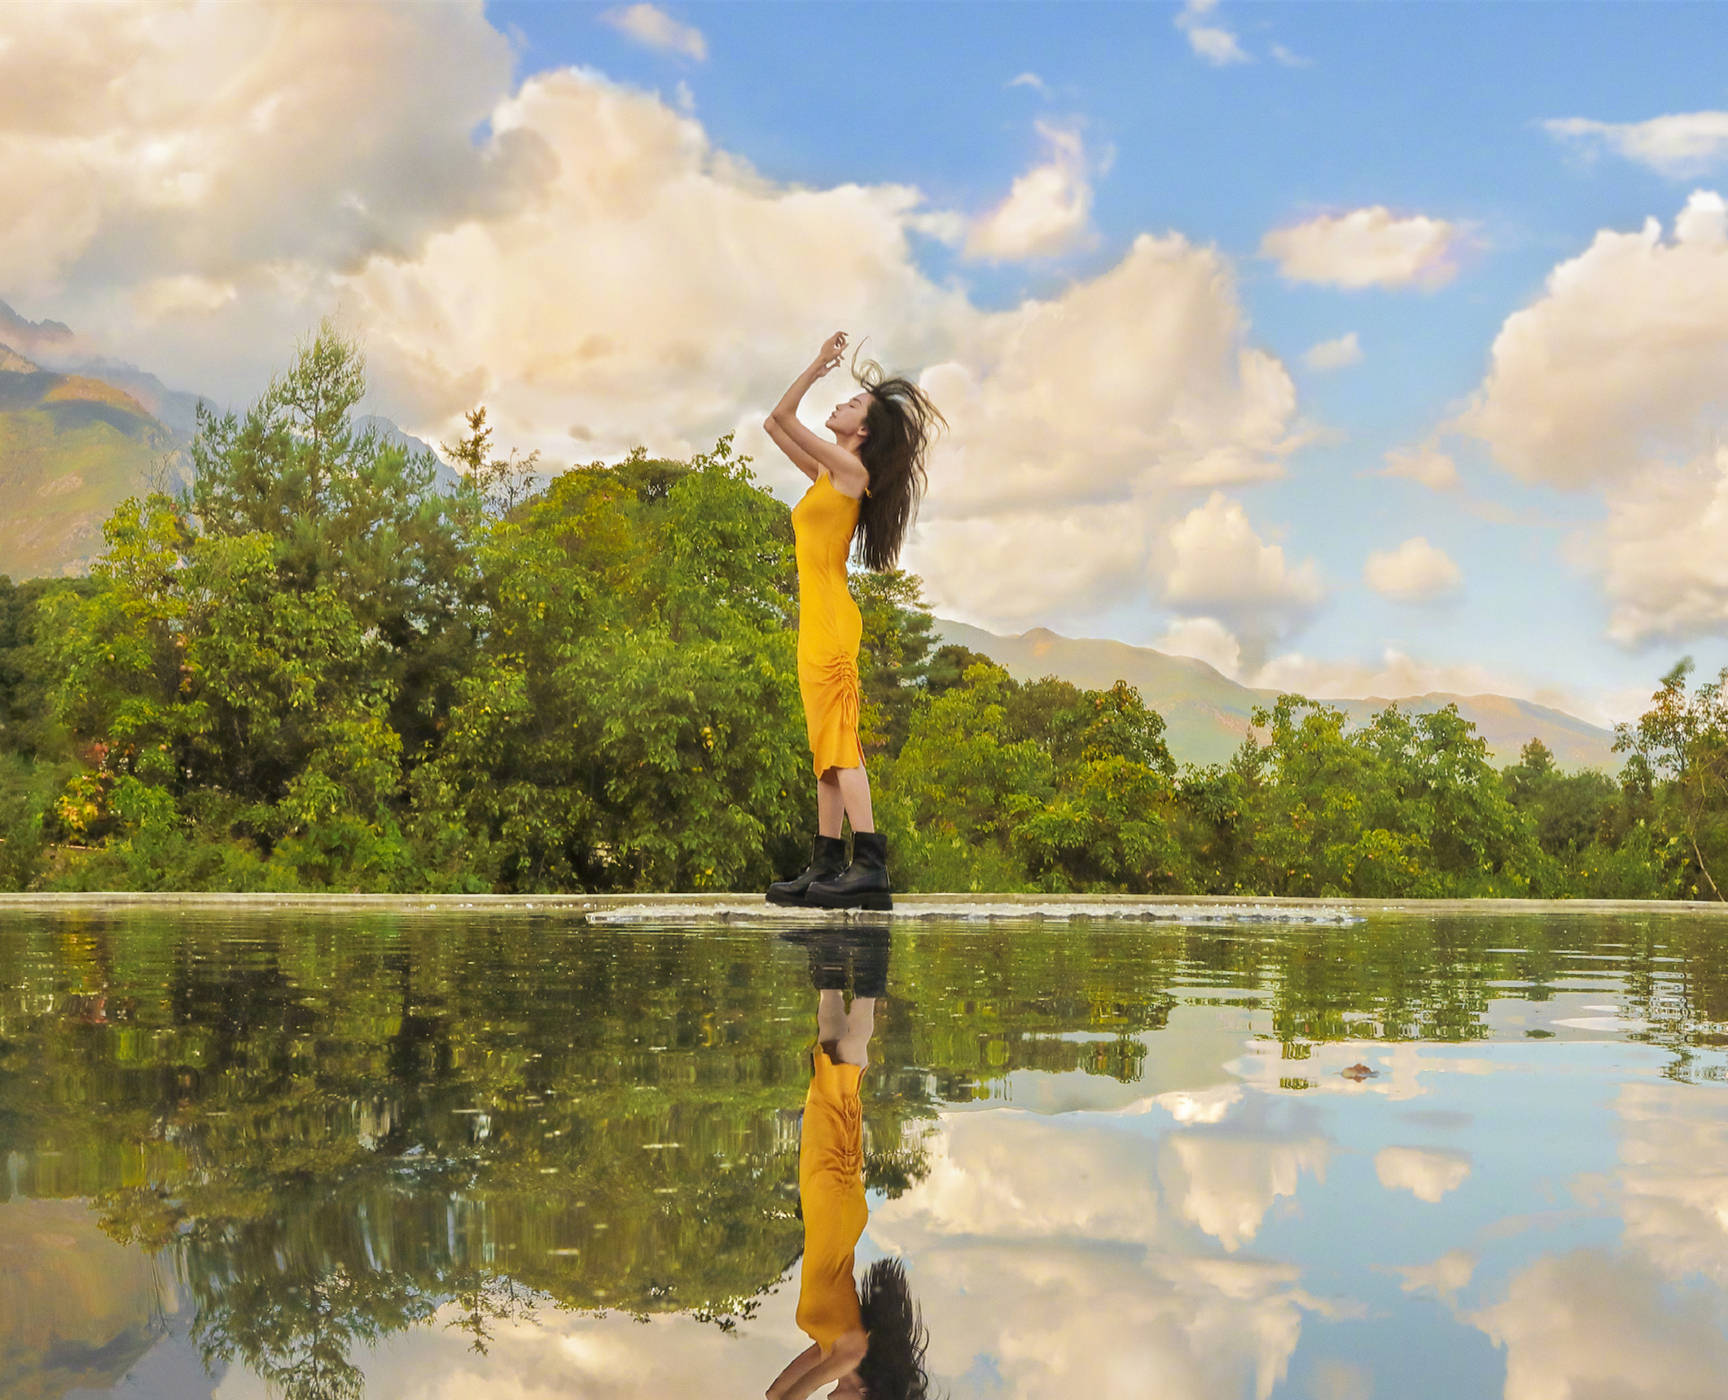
(863, 485)
(871, 1339)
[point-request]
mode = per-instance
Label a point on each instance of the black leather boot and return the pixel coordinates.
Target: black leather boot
(827, 859)
(863, 884)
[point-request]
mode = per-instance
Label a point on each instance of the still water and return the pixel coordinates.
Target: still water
(1447, 1157)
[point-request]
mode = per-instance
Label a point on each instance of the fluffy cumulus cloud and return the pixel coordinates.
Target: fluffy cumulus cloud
(1215, 564)
(1663, 552)
(1622, 357)
(1612, 381)
(1047, 210)
(1414, 572)
(1367, 248)
(579, 256)
(1205, 639)
(1679, 145)
(336, 133)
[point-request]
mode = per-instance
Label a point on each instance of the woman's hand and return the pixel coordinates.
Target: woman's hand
(829, 355)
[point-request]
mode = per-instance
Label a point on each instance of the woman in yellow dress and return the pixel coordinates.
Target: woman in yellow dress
(866, 1342)
(865, 485)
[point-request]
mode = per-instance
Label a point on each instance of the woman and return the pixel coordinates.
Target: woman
(870, 1341)
(871, 475)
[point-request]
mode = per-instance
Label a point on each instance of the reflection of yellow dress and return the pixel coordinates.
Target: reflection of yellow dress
(831, 1188)
(830, 626)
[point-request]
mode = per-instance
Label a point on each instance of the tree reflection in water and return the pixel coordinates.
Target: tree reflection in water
(332, 1130)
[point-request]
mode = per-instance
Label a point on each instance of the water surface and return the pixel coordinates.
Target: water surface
(449, 1156)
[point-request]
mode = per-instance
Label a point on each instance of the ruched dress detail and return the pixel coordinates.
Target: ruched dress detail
(830, 627)
(831, 1193)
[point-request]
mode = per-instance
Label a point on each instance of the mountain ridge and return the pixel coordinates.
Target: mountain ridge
(1207, 714)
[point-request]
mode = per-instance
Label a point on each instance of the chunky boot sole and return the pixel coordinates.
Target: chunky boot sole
(875, 899)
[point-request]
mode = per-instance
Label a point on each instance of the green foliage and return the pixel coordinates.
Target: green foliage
(1678, 761)
(314, 672)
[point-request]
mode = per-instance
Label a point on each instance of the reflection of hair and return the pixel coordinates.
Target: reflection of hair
(893, 1364)
(898, 427)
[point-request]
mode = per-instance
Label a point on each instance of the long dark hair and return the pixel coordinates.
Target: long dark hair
(893, 1364)
(898, 428)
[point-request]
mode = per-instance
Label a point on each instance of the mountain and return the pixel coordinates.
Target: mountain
(79, 433)
(71, 448)
(1207, 714)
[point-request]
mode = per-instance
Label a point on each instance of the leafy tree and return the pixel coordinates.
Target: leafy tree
(893, 657)
(1678, 757)
(633, 721)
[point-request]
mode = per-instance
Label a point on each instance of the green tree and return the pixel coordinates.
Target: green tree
(1678, 756)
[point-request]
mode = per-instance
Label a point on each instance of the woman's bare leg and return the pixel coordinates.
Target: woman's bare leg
(860, 1022)
(830, 805)
(831, 1018)
(853, 785)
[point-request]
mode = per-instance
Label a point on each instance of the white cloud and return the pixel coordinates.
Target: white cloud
(1427, 1173)
(1219, 564)
(1289, 59)
(1416, 571)
(121, 161)
(650, 25)
(1047, 209)
(1333, 354)
(599, 274)
(1367, 248)
(1623, 357)
(1612, 381)
(1679, 145)
(1206, 639)
(1425, 463)
(1214, 43)
(1593, 1323)
(1663, 552)
(1031, 80)
(1674, 1178)
(1089, 1291)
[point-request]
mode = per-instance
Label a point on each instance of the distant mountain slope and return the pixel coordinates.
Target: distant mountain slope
(1207, 714)
(71, 449)
(80, 433)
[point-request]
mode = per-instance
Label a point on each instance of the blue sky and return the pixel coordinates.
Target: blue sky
(1108, 237)
(1436, 108)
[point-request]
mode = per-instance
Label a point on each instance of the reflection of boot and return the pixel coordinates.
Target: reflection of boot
(827, 859)
(863, 884)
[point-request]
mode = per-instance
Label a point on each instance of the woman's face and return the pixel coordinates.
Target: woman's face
(848, 418)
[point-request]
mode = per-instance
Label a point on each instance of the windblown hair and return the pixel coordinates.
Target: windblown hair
(898, 428)
(893, 1364)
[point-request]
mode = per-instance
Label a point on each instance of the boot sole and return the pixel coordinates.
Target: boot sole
(878, 901)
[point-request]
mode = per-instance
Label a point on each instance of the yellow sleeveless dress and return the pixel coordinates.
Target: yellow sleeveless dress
(831, 1194)
(830, 626)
